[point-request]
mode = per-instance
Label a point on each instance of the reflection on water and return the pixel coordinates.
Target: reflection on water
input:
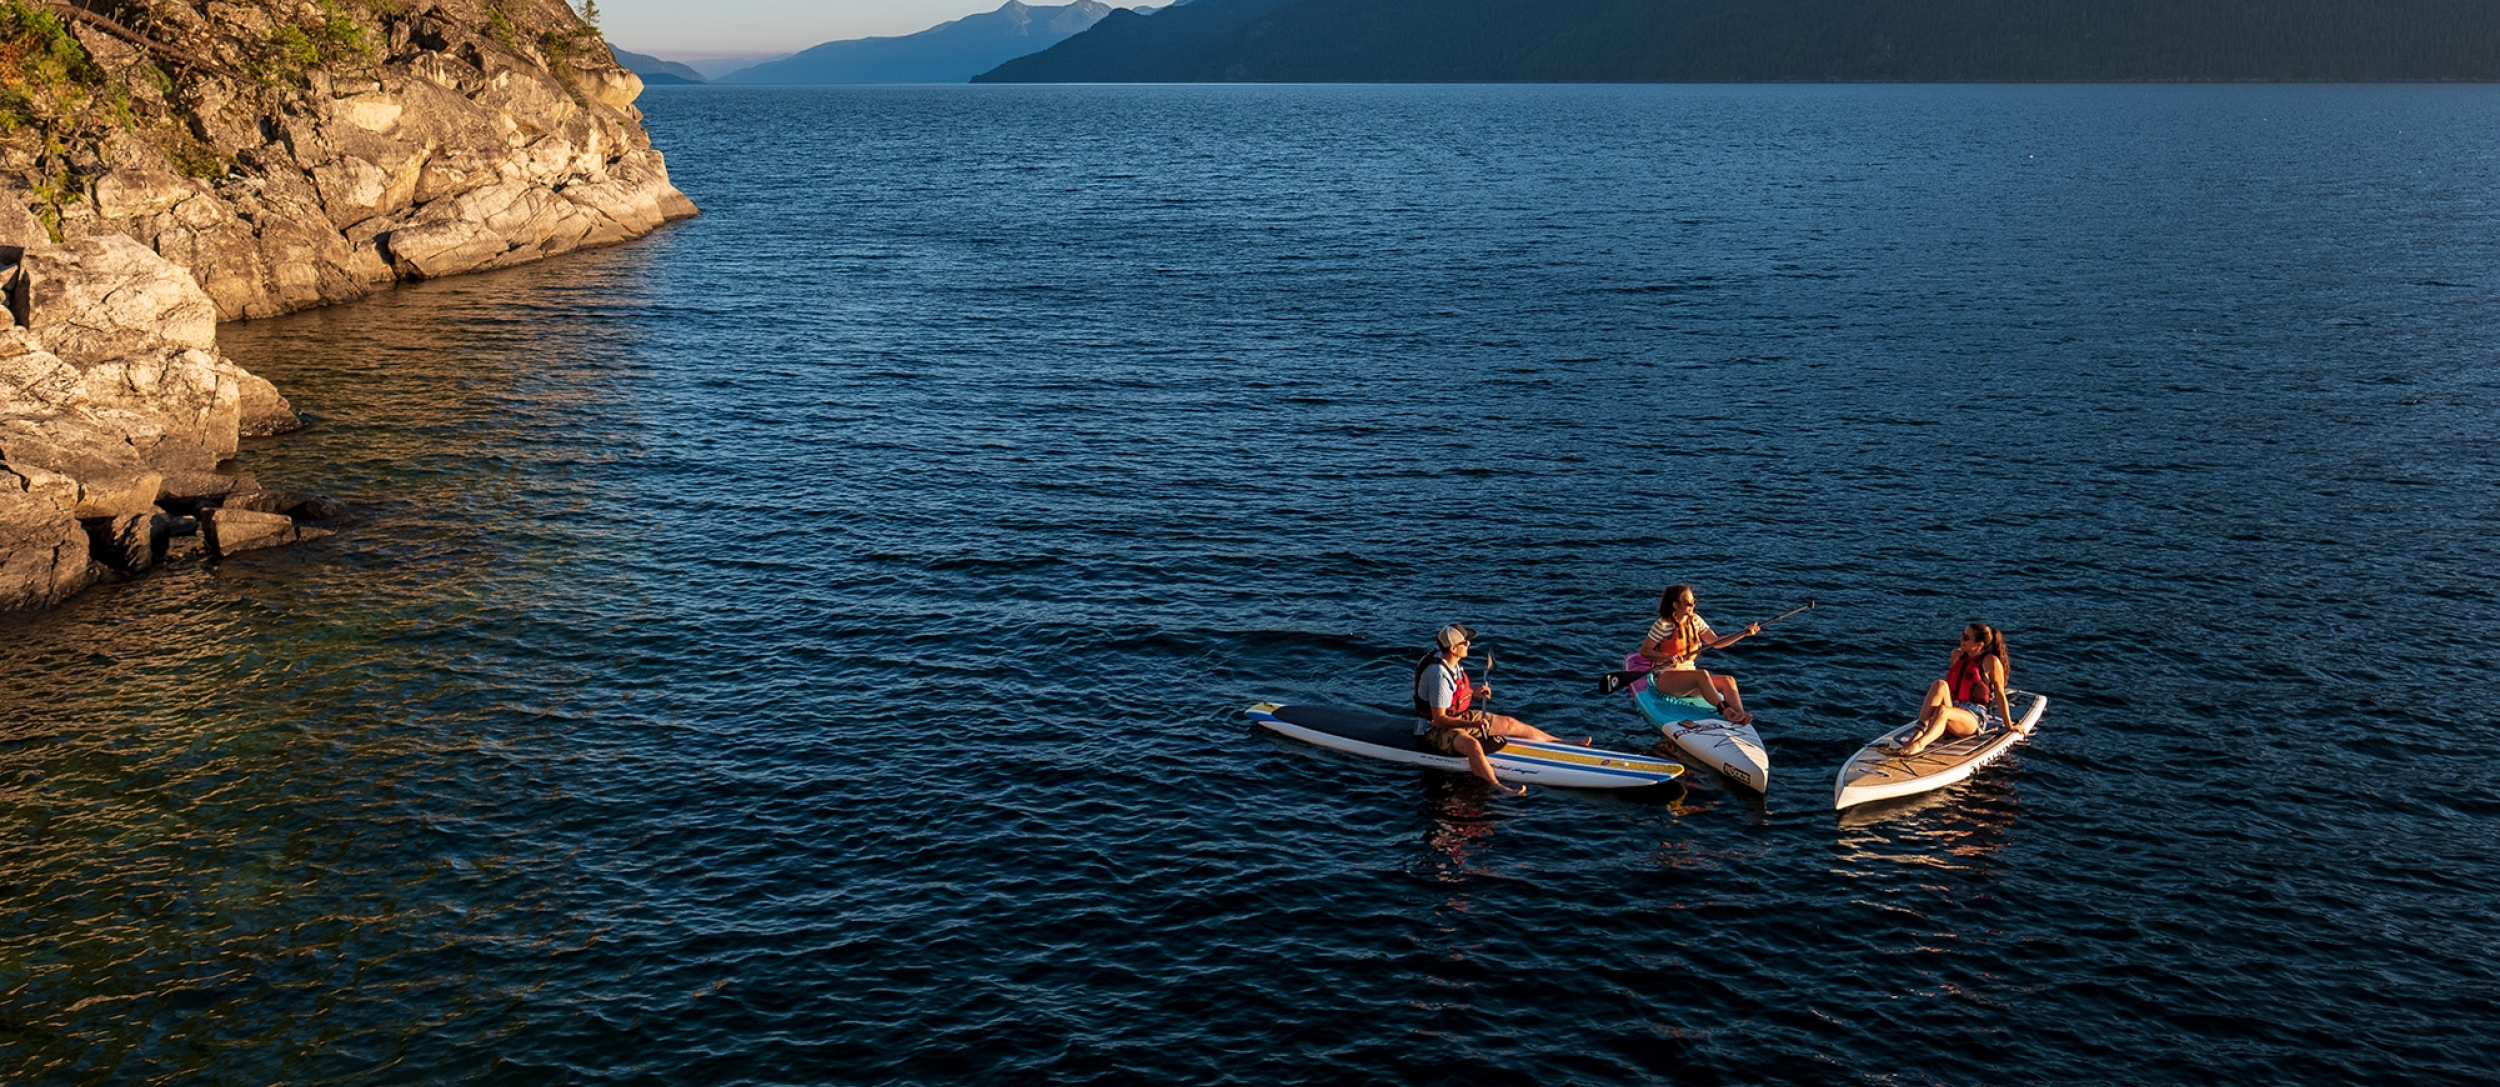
(1463, 814)
(273, 797)
(1960, 826)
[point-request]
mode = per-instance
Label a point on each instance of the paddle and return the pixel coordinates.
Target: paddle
(1614, 681)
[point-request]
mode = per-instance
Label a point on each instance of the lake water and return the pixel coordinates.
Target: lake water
(809, 645)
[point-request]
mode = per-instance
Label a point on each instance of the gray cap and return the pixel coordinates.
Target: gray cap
(1453, 634)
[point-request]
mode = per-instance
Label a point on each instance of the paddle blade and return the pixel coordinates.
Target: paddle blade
(1615, 681)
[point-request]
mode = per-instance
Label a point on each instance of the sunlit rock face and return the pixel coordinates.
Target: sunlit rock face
(114, 405)
(193, 161)
(43, 552)
(309, 154)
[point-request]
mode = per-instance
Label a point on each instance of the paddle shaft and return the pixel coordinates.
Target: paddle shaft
(1807, 606)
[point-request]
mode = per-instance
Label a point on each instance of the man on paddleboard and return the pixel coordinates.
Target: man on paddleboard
(1445, 723)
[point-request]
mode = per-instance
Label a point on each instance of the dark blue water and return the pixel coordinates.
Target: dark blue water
(809, 645)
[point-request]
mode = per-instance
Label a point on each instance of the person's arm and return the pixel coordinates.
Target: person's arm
(1750, 630)
(1996, 679)
(1653, 644)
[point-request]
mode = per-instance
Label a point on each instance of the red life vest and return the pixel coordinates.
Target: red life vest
(1968, 677)
(1462, 692)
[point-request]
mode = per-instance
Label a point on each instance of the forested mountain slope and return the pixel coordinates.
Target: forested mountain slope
(1779, 40)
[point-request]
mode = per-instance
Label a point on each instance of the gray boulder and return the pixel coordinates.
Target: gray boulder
(132, 542)
(302, 507)
(231, 531)
(192, 491)
(119, 494)
(43, 550)
(260, 411)
(108, 297)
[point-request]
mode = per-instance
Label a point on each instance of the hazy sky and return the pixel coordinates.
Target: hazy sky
(673, 28)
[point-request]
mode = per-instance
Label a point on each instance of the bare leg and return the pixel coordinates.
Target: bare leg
(1517, 729)
(1961, 722)
(1933, 713)
(1474, 752)
(1695, 683)
(1731, 704)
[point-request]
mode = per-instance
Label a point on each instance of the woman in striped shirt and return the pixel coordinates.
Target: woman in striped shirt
(1672, 649)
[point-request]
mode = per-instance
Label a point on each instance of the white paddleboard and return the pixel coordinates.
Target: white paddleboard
(1392, 739)
(1733, 750)
(1873, 775)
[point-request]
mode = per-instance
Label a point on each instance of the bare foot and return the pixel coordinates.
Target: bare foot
(1583, 741)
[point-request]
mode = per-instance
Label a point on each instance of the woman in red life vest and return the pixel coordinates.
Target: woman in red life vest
(1673, 647)
(1973, 686)
(1445, 724)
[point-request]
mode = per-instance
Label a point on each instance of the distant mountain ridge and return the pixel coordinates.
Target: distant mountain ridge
(1634, 41)
(655, 71)
(947, 53)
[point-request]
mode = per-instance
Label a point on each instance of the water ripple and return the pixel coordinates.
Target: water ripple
(809, 645)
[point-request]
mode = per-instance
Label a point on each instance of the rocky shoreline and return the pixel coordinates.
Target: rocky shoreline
(247, 161)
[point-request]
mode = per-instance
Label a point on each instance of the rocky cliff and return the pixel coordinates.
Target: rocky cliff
(292, 153)
(165, 164)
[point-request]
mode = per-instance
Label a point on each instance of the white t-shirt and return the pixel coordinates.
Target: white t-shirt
(1439, 687)
(1665, 628)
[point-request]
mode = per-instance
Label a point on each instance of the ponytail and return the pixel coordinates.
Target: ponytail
(1992, 644)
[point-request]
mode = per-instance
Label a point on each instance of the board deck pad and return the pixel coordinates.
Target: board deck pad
(1354, 724)
(1734, 750)
(1875, 774)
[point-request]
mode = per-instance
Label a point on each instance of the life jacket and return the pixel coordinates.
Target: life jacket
(1461, 692)
(1968, 677)
(1683, 645)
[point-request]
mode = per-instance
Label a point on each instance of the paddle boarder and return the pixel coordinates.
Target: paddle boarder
(1672, 649)
(1973, 685)
(1445, 723)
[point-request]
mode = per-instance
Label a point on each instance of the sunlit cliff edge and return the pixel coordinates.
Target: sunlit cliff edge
(166, 164)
